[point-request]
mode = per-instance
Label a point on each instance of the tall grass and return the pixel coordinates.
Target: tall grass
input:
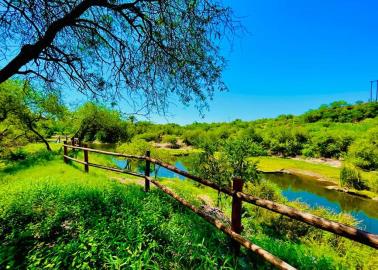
(63, 222)
(55, 216)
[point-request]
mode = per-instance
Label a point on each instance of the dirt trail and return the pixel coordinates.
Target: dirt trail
(326, 161)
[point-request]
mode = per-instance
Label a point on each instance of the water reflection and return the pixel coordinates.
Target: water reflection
(304, 189)
(314, 193)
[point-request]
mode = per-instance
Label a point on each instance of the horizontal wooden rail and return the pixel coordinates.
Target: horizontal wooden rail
(104, 152)
(190, 176)
(313, 220)
(115, 169)
(74, 159)
(235, 236)
(316, 221)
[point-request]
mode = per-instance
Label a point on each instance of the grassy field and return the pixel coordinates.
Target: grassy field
(55, 216)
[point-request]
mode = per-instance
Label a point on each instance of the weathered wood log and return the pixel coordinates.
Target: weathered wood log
(316, 221)
(74, 159)
(115, 169)
(65, 152)
(105, 152)
(86, 165)
(235, 236)
(236, 210)
(147, 173)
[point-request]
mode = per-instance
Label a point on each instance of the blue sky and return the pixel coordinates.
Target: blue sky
(297, 55)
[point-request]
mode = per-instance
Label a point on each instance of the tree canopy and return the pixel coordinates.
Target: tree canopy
(144, 50)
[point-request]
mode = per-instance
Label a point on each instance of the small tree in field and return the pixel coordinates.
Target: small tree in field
(219, 163)
(210, 166)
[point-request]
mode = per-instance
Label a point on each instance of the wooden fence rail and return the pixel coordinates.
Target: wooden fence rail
(237, 198)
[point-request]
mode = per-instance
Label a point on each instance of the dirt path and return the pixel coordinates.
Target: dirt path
(326, 161)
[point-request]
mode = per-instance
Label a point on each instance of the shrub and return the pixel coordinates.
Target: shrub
(364, 152)
(18, 154)
(257, 150)
(350, 177)
(172, 140)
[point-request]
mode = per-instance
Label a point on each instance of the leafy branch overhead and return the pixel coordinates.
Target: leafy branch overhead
(142, 50)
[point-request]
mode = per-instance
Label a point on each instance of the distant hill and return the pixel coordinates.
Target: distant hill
(341, 111)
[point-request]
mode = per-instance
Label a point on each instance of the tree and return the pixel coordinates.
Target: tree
(93, 122)
(27, 109)
(150, 48)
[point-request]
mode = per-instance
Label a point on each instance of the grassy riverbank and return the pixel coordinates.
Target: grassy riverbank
(322, 172)
(53, 215)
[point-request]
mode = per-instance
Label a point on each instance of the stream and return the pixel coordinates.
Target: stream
(310, 191)
(304, 189)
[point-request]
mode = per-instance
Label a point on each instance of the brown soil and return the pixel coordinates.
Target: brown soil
(327, 161)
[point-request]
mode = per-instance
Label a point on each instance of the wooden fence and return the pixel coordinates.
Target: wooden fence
(237, 198)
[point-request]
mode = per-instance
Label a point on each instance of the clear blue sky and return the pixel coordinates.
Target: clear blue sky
(298, 55)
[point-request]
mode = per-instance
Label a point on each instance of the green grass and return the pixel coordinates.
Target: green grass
(301, 245)
(55, 216)
(276, 163)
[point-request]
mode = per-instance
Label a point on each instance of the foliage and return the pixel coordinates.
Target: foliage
(231, 161)
(96, 122)
(340, 111)
(26, 112)
(350, 177)
(235, 153)
(172, 140)
(211, 167)
(364, 151)
(146, 51)
(71, 220)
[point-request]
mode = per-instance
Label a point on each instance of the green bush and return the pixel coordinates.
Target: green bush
(172, 140)
(18, 154)
(364, 152)
(350, 177)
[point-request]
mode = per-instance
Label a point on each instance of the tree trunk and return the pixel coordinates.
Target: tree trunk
(41, 137)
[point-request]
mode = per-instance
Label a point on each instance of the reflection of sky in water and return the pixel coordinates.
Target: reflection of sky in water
(366, 223)
(120, 163)
(163, 172)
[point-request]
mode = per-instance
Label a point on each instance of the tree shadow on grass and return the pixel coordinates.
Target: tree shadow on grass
(29, 160)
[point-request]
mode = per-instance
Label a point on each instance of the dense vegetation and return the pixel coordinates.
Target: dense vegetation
(51, 215)
(338, 130)
(55, 216)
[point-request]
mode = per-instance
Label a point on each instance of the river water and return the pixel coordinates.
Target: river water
(315, 194)
(304, 189)
(310, 191)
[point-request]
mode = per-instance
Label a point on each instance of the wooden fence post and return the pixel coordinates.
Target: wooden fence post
(147, 173)
(236, 225)
(86, 165)
(65, 152)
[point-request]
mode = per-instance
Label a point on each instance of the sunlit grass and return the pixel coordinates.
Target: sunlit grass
(54, 215)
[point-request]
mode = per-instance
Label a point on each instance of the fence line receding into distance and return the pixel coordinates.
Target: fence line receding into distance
(238, 197)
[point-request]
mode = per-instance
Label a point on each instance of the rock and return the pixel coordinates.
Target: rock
(215, 213)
